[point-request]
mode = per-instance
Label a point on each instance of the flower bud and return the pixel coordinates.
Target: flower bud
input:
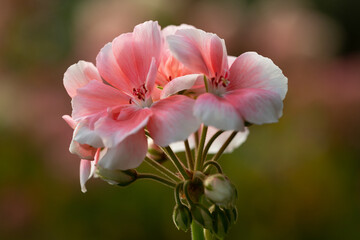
(202, 216)
(221, 223)
(116, 176)
(219, 190)
(182, 217)
(231, 214)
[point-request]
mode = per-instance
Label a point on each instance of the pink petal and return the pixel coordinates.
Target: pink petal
(96, 97)
(78, 75)
(190, 48)
(69, 121)
(199, 51)
(134, 51)
(127, 154)
(256, 106)
(172, 120)
(251, 70)
(150, 78)
(182, 83)
(218, 56)
(109, 69)
(85, 169)
(114, 129)
(218, 112)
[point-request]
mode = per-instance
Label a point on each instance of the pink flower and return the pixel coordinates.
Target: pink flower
(251, 90)
(114, 114)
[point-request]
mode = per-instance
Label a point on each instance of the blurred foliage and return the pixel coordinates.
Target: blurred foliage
(297, 179)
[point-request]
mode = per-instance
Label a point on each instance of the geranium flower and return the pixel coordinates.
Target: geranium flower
(251, 90)
(118, 111)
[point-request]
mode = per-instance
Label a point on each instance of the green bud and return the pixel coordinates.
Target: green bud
(219, 190)
(221, 223)
(116, 176)
(202, 216)
(231, 214)
(182, 217)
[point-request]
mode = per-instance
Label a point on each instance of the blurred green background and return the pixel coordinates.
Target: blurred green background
(297, 179)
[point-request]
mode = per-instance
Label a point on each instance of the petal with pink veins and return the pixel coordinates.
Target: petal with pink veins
(134, 51)
(218, 112)
(84, 135)
(69, 121)
(182, 83)
(78, 75)
(251, 70)
(190, 47)
(109, 69)
(172, 120)
(256, 106)
(96, 97)
(114, 129)
(128, 154)
(151, 76)
(218, 56)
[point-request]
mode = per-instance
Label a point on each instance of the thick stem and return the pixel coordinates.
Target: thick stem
(198, 161)
(208, 145)
(156, 178)
(189, 156)
(163, 170)
(197, 231)
(171, 155)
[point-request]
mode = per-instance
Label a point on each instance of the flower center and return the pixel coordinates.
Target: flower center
(218, 84)
(140, 92)
(140, 97)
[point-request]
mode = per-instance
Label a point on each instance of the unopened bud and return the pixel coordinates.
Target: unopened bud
(182, 217)
(221, 223)
(231, 214)
(219, 190)
(202, 216)
(116, 176)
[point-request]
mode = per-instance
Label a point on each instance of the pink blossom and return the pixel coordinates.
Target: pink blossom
(114, 114)
(251, 90)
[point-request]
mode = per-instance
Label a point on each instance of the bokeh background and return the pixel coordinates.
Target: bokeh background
(297, 179)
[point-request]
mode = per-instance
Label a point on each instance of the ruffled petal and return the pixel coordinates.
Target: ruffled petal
(218, 56)
(109, 69)
(115, 127)
(251, 70)
(218, 112)
(128, 154)
(69, 121)
(78, 75)
(172, 120)
(256, 106)
(86, 136)
(182, 83)
(96, 97)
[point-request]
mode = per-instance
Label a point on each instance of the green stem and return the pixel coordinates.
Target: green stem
(198, 161)
(206, 84)
(224, 146)
(215, 164)
(163, 170)
(189, 157)
(208, 145)
(171, 155)
(197, 231)
(156, 178)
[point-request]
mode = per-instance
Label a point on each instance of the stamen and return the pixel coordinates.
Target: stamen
(140, 92)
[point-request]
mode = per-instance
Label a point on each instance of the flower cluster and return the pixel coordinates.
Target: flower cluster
(154, 92)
